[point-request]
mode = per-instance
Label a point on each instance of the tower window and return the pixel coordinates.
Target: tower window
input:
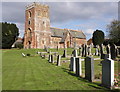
(42, 42)
(43, 22)
(29, 22)
(29, 14)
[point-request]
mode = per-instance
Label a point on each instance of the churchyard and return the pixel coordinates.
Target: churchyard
(58, 69)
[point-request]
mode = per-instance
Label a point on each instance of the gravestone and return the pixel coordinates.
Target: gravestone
(65, 53)
(78, 67)
(75, 53)
(52, 58)
(80, 51)
(83, 50)
(89, 50)
(58, 60)
(43, 56)
(96, 51)
(108, 72)
(108, 50)
(89, 68)
(23, 55)
(45, 48)
(49, 58)
(72, 64)
(113, 51)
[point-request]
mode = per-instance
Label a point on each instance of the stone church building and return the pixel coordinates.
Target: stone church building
(39, 34)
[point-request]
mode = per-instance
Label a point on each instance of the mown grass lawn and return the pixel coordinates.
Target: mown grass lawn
(35, 73)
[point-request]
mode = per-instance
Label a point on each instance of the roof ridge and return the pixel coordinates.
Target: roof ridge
(67, 29)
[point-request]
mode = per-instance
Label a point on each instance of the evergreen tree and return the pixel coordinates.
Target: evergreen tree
(10, 33)
(98, 39)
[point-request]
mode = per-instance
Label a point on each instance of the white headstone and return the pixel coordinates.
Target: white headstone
(108, 72)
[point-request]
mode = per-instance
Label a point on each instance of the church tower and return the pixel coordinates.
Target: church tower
(37, 26)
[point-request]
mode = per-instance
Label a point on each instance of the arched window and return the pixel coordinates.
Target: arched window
(29, 33)
(29, 22)
(29, 14)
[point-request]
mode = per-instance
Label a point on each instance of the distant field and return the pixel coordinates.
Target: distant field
(35, 73)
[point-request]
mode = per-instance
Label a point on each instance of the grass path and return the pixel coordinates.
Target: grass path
(34, 73)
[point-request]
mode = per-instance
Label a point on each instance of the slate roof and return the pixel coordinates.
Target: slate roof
(64, 37)
(56, 32)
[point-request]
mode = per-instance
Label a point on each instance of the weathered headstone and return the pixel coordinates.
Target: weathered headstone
(108, 50)
(58, 60)
(23, 55)
(80, 51)
(89, 50)
(108, 72)
(113, 51)
(49, 58)
(72, 64)
(89, 68)
(78, 67)
(65, 53)
(43, 56)
(83, 50)
(75, 53)
(52, 58)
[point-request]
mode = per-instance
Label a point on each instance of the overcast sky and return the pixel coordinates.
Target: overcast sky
(87, 16)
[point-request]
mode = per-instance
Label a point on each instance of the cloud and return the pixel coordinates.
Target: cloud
(21, 28)
(61, 12)
(89, 31)
(88, 15)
